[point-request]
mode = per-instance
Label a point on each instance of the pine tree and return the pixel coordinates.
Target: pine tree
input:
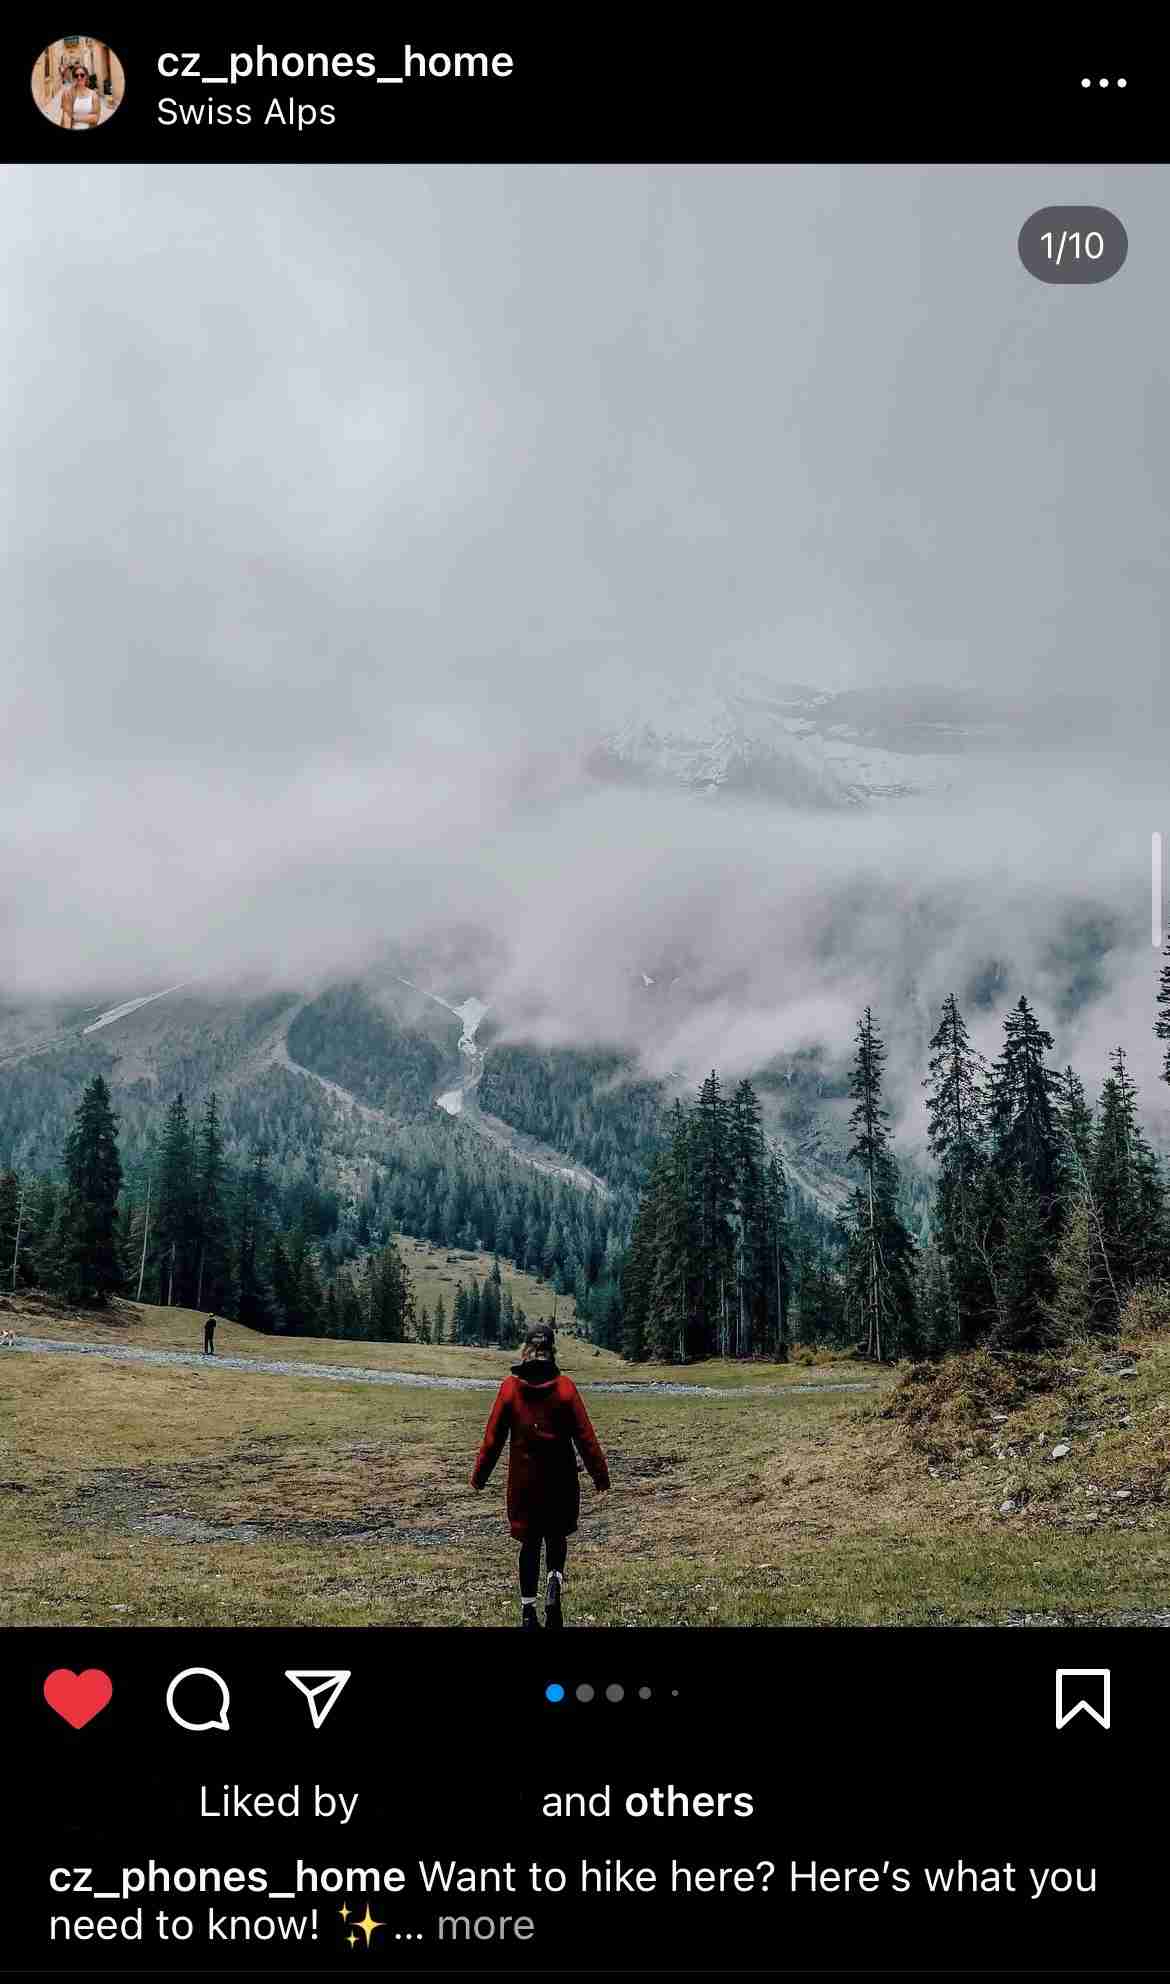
(390, 1308)
(1075, 1120)
(752, 1287)
(1024, 1128)
(439, 1332)
(1022, 1204)
(1152, 1256)
(709, 1325)
(38, 1249)
(551, 1249)
(779, 1260)
(818, 1310)
(282, 1286)
(88, 1264)
(938, 1315)
(176, 1222)
(53, 1252)
(1127, 1196)
(955, 1128)
(210, 1223)
(11, 1207)
(491, 1303)
(306, 1285)
(350, 1315)
(674, 1328)
(707, 1268)
(1071, 1310)
(129, 1243)
(1084, 1292)
(879, 1284)
(1025, 1276)
(251, 1295)
(640, 1264)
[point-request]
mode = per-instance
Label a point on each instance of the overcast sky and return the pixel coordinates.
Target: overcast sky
(339, 500)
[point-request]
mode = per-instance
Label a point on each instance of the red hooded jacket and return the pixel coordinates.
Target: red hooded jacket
(542, 1411)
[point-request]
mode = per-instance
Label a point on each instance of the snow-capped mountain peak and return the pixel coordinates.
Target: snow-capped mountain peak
(747, 733)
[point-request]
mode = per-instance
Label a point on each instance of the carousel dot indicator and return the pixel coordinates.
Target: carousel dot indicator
(554, 1692)
(585, 1692)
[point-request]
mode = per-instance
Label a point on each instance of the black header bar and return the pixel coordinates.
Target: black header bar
(596, 87)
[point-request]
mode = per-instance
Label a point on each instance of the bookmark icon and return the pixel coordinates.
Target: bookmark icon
(320, 1687)
(1082, 1690)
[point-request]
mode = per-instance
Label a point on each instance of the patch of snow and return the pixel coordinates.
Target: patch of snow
(131, 1006)
(471, 1013)
(742, 731)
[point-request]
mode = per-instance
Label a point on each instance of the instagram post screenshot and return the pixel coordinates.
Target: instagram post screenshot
(584, 997)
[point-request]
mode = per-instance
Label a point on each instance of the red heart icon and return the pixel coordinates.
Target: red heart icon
(78, 1697)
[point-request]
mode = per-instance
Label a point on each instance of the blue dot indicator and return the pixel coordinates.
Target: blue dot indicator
(554, 1692)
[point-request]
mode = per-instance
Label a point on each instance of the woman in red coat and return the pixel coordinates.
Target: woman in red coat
(542, 1411)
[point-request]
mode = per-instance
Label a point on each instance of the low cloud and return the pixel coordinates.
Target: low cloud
(341, 506)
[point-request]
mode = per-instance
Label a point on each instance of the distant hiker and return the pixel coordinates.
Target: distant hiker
(7, 1340)
(543, 1413)
(209, 1337)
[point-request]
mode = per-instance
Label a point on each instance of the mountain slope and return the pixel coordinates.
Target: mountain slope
(745, 733)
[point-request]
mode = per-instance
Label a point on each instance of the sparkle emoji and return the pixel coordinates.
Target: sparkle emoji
(367, 1926)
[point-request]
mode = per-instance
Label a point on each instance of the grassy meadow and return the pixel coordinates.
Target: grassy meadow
(208, 1494)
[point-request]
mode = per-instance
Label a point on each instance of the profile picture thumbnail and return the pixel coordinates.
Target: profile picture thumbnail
(78, 83)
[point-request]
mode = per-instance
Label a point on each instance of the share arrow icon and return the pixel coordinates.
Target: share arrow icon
(320, 1687)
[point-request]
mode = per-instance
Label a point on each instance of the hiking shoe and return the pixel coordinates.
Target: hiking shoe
(553, 1616)
(529, 1622)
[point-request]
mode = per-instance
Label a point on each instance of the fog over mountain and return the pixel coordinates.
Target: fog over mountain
(727, 597)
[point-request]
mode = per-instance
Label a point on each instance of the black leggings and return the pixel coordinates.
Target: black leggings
(556, 1549)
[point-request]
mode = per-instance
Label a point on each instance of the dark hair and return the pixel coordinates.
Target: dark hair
(541, 1337)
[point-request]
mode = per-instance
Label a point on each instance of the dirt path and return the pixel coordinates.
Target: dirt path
(357, 1375)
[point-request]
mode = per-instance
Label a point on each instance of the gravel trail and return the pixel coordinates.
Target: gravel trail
(357, 1375)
